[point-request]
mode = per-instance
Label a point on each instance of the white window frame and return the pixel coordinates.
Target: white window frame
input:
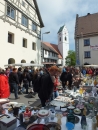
(24, 18)
(9, 15)
(34, 27)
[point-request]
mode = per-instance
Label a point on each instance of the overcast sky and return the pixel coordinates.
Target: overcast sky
(56, 13)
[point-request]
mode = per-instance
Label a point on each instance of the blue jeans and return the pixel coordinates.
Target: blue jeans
(55, 94)
(15, 88)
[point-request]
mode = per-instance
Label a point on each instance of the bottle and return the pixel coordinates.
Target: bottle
(94, 123)
(21, 118)
(83, 121)
(71, 117)
(97, 119)
(75, 88)
(27, 115)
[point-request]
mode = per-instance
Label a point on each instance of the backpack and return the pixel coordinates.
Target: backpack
(37, 84)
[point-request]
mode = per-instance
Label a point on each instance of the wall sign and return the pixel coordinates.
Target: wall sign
(94, 48)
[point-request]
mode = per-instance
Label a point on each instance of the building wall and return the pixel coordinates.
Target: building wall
(82, 49)
(16, 50)
(51, 57)
(63, 45)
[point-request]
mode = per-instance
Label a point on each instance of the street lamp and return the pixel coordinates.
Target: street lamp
(83, 48)
(42, 44)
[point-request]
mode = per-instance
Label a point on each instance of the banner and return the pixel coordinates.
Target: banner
(94, 48)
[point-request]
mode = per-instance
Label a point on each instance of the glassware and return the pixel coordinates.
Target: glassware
(94, 123)
(83, 122)
(71, 117)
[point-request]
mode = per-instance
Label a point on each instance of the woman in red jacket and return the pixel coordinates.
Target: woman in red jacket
(4, 86)
(56, 84)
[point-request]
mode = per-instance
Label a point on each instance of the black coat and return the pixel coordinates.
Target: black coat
(63, 77)
(47, 87)
(25, 78)
(13, 78)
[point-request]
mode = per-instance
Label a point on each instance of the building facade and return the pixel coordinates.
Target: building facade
(86, 39)
(63, 42)
(20, 24)
(51, 53)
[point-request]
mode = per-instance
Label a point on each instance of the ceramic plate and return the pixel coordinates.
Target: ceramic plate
(57, 103)
(63, 109)
(53, 126)
(71, 107)
(43, 116)
(37, 127)
(77, 111)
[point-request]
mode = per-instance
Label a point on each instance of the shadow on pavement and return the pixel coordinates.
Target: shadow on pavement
(36, 103)
(11, 98)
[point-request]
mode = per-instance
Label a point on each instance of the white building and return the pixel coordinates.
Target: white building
(86, 39)
(56, 53)
(63, 42)
(20, 25)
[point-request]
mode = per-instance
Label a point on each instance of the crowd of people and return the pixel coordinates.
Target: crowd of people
(50, 80)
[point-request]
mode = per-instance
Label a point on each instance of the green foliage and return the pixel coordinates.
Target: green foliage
(71, 58)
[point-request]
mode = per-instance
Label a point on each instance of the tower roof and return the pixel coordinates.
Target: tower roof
(61, 28)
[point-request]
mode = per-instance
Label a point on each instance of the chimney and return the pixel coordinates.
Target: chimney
(88, 13)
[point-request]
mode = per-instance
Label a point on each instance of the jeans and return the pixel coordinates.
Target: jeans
(25, 85)
(55, 94)
(15, 88)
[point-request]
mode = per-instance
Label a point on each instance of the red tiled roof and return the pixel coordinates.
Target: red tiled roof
(54, 47)
(86, 25)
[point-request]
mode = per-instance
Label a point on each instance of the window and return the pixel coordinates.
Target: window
(10, 37)
(45, 52)
(65, 38)
(34, 27)
(24, 21)
(34, 46)
(60, 39)
(23, 3)
(87, 54)
(24, 42)
(86, 42)
(48, 53)
(10, 12)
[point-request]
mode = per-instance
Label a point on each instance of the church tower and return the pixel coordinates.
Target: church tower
(63, 42)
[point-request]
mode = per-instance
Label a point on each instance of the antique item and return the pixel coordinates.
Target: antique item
(83, 121)
(7, 122)
(53, 126)
(85, 111)
(27, 115)
(59, 116)
(43, 113)
(37, 127)
(77, 111)
(94, 123)
(71, 117)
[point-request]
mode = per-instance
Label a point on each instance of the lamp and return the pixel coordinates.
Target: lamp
(42, 44)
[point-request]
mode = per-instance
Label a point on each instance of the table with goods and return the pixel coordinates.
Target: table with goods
(72, 109)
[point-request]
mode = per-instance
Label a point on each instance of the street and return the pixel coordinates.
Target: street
(24, 99)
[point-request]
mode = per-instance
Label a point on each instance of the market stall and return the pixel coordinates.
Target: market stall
(76, 108)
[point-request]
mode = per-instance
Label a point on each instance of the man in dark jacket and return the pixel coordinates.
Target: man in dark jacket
(63, 78)
(47, 85)
(14, 82)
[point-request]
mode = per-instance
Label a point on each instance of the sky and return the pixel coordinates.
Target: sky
(56, 13)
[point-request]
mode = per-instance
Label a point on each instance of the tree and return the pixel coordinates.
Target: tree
(71, 58)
